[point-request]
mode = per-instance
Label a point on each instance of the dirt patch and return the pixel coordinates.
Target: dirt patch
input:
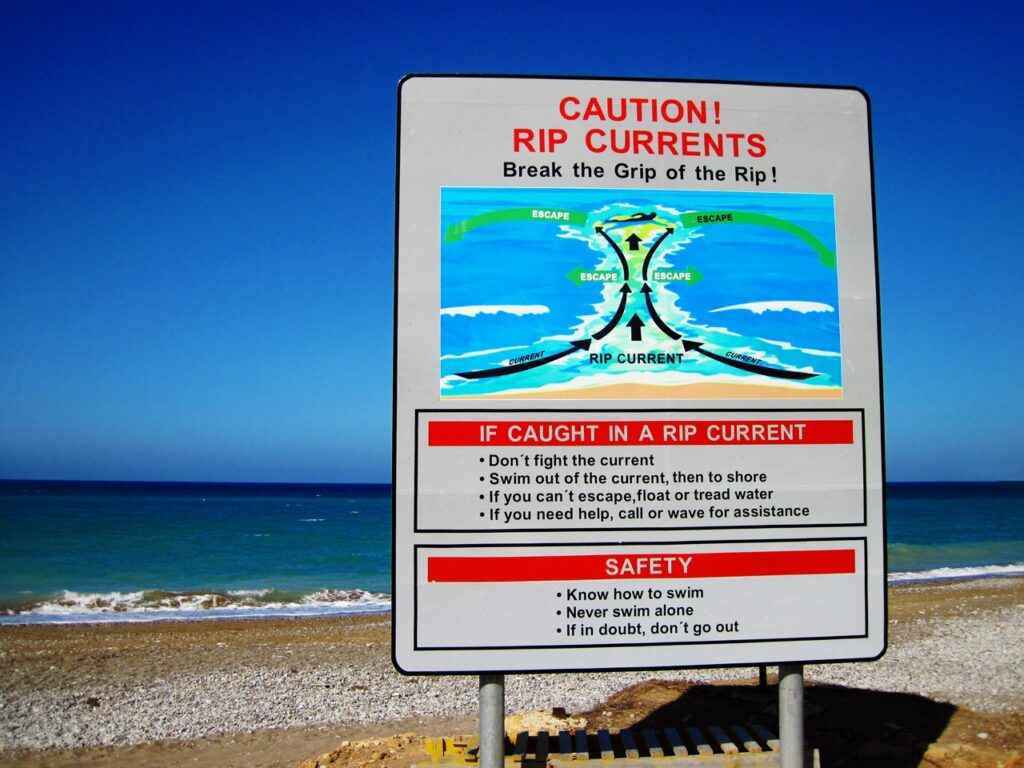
(851, 727)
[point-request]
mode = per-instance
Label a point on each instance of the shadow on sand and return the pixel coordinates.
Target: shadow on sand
(849, 726)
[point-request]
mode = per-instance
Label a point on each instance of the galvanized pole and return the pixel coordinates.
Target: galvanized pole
(791, 714)
(492, 721)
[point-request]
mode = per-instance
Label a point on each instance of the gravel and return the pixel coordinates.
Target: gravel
(56, 694)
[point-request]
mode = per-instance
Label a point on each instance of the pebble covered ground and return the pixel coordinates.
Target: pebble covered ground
(122, 684)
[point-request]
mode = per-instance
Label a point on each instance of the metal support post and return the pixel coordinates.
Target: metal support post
(492, 721)
(791, 714)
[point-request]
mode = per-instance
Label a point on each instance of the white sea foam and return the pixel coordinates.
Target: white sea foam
(70, 602)
(481, 352)
(715, 329)
(494, 309)
(760, 307)
(345, 598)
(79, 607)
(940, 574)
(803, 350)
(669, 210)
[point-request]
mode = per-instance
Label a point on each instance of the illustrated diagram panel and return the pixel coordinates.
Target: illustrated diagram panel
(638, 294)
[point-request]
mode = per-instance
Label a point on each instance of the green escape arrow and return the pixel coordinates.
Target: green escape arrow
(581, 276)
(674, 275)
(456, 231)
(701, 218)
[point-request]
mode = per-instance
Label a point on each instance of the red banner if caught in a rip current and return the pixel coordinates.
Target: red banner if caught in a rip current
(498, 433)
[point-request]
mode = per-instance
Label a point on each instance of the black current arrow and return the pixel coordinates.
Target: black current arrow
(618, 252)
(634, 242)
(625, 291)
(635, 324)
(650, 253)
(646, 291)
(778, 373)
(507, 370)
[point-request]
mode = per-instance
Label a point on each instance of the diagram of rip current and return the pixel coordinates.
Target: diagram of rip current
(619, 225)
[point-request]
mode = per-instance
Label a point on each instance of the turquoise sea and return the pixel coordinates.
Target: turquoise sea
(146, 551)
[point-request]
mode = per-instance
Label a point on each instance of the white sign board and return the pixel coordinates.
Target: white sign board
(637, 416)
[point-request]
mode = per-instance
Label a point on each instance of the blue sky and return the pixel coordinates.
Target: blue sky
(185, 187)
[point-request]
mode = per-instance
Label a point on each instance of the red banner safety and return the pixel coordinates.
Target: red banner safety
(641, 566)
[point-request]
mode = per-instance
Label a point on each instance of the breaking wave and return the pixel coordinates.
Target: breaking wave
(162, 605)
(760, 307)
(494, 309)
(971, 572)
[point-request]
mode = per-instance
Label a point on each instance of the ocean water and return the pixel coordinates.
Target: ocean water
(144, 551)
(147, 551)
(943, 530)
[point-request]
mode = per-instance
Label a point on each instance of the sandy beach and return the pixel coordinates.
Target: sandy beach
(271, 693)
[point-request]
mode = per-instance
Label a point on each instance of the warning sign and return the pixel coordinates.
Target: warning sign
(637, 382)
